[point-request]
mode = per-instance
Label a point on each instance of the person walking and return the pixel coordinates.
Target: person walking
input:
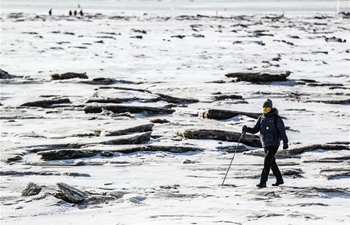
(272, 131)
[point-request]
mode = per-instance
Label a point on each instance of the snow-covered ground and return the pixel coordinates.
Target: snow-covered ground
(182, 49)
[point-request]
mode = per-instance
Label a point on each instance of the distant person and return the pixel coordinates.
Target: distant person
(75, 12)
(70, 13)
(272, 131)
(50, 12)
(81, 13)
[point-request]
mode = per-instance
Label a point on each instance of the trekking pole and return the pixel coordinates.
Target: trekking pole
(239, 140)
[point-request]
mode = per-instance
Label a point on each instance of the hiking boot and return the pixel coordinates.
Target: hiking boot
(278, 183)
(261, 185)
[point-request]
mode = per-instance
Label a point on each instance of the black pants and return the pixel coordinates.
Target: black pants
(270, 163)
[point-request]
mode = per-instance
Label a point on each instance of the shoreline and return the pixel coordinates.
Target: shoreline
(177, 8)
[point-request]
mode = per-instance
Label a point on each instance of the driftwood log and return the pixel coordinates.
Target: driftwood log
(248, 139)
(260, 76)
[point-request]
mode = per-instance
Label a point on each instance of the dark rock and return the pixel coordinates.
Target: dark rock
(159, 121)
(127, 108)
(298, 150)
(324, 85)
(320, 52)
(15, 15)
(334, 39)
(33, 33)
(28, 173)
(5, 75)
(68, 33)
(287, 42)
(95, 200)
(162, 148)
(46, 103)
(126, 114)
(79, 47)
(332, 101)
(127, 88)
(138, 129)
(322, 17)
(31, 189)
(224, 97)
(139, 31)
(102, 81)
(260, 76)
(309, 80)
(118, 194)
(231, 148)
(65, 154)
(331, 173)
(292, 172)
(110, 100)
(294, 36)
(106, 37)
(251, 140)
(45, 147)
(219, 114)
(140, 138)
(261, 33)
(198, 35)
(110, 33)
(14, 158)
(176, 100)
(69, 75)
(71, 194)
(174, 149)
(178, 36)
(137, 36)
(187, 161)
(249, 42)
(74, 174)
(344, 14)
(275, 17)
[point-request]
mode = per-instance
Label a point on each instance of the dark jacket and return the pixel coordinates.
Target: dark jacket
(269, 136)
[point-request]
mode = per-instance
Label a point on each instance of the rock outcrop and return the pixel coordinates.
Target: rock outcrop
(251, 140)
(31, 189)
(260, 76)
(115, 108)
(220, 114)
(68, 75)
(46, 103)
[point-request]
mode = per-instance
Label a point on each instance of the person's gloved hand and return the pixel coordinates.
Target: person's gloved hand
(285, 145)
(244, 129)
